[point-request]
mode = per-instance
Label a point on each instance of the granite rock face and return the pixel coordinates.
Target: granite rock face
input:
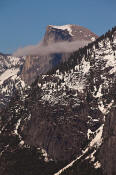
(36, 65)
(108, 149)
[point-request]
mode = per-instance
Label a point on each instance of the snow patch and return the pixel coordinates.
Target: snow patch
(17, 126)
(45, 155)
(99, 94)
(89, 133)
(7, 74)
(85, 66)
(97, 164)
(97, 141)
(105, 108)
(91, 156)
(93, 39)
(64, 27)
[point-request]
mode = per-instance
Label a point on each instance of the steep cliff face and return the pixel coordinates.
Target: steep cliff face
(68, 33)
(108, 149)
(35, 66)
(69, 112)
(55, 34)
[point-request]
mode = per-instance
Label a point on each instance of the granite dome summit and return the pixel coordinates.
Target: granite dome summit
(59, 42)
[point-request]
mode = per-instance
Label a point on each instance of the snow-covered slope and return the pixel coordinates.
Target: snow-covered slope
(10, 69)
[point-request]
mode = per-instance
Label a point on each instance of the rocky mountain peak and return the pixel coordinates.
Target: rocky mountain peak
(54, 34)
(68, 32)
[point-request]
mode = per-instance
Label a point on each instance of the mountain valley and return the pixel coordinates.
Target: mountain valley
(64, 122)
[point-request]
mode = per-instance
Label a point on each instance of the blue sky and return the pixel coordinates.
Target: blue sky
(23, 22)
